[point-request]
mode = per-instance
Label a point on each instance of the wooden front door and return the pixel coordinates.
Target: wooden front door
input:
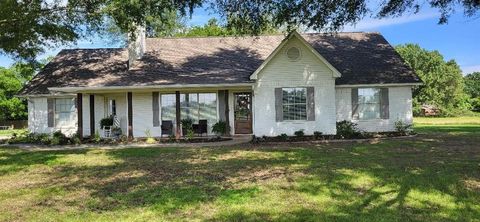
(243, 113)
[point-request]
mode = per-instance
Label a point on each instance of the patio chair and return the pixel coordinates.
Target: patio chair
(107, 131)
(201, 127)
(167, 128)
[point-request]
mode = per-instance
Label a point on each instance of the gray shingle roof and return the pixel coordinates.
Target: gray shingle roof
(361, 58)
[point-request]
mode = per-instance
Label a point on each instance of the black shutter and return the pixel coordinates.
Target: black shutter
(51, 111)
(155, 109)
(354, 103)
(310, 104)
(384, 104)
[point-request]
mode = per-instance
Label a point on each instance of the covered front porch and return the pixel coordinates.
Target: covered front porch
(161, 112)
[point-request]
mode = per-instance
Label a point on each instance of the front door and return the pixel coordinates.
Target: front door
(243, 113)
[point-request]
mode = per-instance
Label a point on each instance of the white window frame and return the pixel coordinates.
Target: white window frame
(294, 104)
(376, 103)
(58, 113)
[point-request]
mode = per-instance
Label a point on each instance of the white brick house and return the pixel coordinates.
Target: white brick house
(266, 85)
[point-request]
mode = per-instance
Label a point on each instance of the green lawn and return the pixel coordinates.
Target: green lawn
(432, 177)
(10, 132)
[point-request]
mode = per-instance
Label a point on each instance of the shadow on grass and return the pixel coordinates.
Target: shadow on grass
(466, 129)
(391, 180)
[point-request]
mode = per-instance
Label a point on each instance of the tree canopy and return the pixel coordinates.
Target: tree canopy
(443, 84)
(472, 84)
(27, 27)
(11, 81)
(472, 88)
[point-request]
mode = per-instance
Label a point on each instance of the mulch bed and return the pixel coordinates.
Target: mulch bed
(309, 138)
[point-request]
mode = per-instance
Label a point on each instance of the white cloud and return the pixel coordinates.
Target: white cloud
(372, 24)
(470, 69)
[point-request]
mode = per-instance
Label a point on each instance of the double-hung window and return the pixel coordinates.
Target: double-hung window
(64, 112)
(294, 103)
(370, 103)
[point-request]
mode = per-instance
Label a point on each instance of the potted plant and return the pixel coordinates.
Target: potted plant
(221, 128)
(107, 121)
(187, 126)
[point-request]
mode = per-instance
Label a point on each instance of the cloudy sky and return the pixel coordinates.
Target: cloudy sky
(456, 40)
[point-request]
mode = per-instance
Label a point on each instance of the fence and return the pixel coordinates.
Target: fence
(15, 124)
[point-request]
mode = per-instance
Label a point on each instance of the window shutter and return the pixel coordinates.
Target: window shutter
(354, 103)
(278, 104)
(155, 109)
(51, 111)
(310, 104)
(384, 104)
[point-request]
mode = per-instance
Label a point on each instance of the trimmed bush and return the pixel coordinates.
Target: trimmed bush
(348, 130)
(403, 128)
(283, 137)
(317, 135)
(299, 133)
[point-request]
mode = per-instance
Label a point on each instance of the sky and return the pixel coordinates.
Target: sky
(456, 40)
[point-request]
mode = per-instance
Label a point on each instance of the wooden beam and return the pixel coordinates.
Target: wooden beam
(177, 116)
(130, 115)
(80, 115)
(227, 111)
(92, 115)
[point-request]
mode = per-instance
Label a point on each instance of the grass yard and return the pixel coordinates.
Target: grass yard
(10, 132)
(433, 177)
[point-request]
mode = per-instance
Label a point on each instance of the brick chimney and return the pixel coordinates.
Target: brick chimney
(136, 45)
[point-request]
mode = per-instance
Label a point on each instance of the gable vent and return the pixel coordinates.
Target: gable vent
(293, 53)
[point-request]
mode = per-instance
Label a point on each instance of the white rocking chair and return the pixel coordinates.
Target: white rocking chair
(107, 131)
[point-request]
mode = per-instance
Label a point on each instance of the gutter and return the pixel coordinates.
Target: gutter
(107, 88)
(378, 85)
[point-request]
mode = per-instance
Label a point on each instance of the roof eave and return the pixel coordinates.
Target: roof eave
(153, 87)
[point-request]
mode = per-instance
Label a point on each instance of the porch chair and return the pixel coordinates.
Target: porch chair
(201, 127)
(167, 128)
(107, 131)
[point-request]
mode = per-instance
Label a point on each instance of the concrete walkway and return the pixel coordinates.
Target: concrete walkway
(236, 140)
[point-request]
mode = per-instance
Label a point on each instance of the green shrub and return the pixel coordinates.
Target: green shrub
(317, 135)
(402, 127)
(75, 139)
(299, 133)
(347, 130)
(221, 128)
(107, 121)
(475, 104)
(150, 139)
(96, 137)
(58, 138)
(283, 137)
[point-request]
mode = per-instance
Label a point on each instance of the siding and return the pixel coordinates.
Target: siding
(143, 115)
(38, 118)
(281, 72)
(400, 99)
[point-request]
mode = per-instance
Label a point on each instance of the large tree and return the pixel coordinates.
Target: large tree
(443, 84)
(11, 81)
(472, 88)
(472, 84)
(28, 26)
